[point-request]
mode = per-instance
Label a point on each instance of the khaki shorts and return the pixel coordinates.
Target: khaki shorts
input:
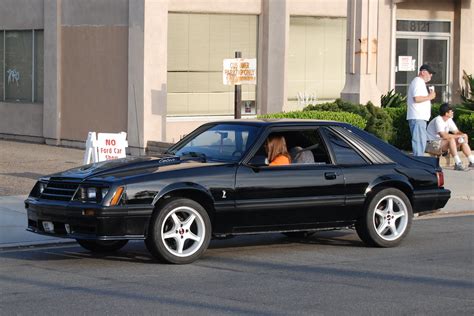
(434, 147)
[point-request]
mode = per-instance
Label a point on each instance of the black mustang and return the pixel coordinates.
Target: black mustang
(216, 182)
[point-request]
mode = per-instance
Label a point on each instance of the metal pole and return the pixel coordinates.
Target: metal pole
(237, 94)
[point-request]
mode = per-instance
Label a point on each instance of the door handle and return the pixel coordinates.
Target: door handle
(330, 175)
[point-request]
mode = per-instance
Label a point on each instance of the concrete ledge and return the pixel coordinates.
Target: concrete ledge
(23, 138)
(156, 148)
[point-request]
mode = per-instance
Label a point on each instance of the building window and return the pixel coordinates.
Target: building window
(316, 60)
(21, 60)
(197, 46)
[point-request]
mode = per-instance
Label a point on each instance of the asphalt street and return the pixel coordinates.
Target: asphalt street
(431, 273)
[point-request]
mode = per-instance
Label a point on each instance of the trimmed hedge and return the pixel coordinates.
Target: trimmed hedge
(389, 124)
(379, 122)
(346, 117)
(400, 135)
(465, 123)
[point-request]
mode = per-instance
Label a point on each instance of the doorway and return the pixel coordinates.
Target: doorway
(417, 43)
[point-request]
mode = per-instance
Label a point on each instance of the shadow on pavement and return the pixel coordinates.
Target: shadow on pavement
(136, 251)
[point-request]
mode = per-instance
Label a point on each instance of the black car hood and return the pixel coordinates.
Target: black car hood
(121, 168)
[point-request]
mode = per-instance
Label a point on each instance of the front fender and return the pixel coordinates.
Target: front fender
(180, 186)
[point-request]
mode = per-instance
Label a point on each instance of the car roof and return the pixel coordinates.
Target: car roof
(279, 122)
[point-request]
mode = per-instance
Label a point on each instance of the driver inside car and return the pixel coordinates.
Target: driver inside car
(277, 153)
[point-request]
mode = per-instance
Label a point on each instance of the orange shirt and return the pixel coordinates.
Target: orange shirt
(280, 160)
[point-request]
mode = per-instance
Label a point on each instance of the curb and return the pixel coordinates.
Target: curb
(35, 244)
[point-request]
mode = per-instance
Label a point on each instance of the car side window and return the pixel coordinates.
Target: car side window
(305, 146)
(344, 153)
(224, 142)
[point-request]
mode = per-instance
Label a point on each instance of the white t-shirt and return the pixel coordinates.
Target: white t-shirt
(439, 125)
(422, 110)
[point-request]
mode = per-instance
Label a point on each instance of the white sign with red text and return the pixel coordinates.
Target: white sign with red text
(238, 71)
(106, 146)
(111, 146)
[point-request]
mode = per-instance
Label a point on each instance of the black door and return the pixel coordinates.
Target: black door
(294, 196)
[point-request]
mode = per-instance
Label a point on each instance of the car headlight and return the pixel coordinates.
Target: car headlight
(104, 192)
(41, 187)
(38, 189)
(90, 194)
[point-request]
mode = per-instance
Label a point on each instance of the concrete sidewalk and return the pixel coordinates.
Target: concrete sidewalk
(22, 163)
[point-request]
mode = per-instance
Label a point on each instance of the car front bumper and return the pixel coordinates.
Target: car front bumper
(87, 221)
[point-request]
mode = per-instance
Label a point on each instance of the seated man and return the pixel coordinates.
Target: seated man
(440, 139)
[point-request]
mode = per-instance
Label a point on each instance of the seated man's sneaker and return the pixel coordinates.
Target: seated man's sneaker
(459, 167)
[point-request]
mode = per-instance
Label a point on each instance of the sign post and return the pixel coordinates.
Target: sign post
(237, 94)
(236, 72)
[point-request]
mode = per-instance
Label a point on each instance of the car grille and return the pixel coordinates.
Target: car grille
(59, 191)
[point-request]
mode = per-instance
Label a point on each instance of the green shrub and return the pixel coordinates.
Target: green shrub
(379, 122)
(460, 109)
(401, 137)
(340, 105)
(389, 124)
(465, 123)
(467, 92)
(350, 118)
(392, 100)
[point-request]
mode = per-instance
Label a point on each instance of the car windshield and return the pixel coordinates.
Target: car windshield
(221, 142)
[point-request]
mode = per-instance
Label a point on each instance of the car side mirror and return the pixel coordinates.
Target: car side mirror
(258, 161)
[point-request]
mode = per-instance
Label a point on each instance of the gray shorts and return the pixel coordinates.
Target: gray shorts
(434, 147)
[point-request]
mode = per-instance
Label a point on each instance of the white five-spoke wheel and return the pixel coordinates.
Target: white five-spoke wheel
(387, 219)
(179, 232)
(390, 217)
(183, 231)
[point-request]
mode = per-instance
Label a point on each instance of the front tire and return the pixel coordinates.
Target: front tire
(100, 246)
(180, 232)
(387, 219)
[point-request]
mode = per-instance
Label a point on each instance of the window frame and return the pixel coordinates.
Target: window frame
(295, 128)
(225, 109)
(326, 131)
(32, 72)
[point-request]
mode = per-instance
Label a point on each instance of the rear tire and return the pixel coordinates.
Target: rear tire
(387, 219)
(100, 246)
(179, 232)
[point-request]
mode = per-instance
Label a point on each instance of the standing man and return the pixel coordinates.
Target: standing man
(443, 134)
(419, 108)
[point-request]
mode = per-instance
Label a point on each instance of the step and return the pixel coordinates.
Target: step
(448, 161)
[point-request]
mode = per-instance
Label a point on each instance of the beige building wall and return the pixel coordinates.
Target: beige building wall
(426, 10)
(463, 45)
(94, 80)
(94, 67)
(272, 50)
(105, 61)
